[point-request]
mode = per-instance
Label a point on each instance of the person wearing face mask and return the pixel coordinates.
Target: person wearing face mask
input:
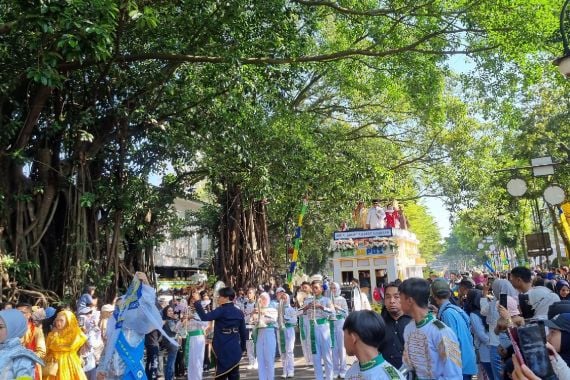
(16, 362)
(337, 334)
(376, 216)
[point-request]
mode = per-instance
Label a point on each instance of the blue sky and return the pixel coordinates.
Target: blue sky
(441, 215)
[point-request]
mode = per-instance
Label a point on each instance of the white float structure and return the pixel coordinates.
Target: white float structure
(375, 254)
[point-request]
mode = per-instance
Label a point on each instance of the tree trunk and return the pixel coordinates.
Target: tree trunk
(243, 256)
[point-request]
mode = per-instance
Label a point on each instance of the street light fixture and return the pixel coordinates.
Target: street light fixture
(541, 167)
(563, 62)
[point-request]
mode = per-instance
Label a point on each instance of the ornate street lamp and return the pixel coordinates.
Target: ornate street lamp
(563, 62)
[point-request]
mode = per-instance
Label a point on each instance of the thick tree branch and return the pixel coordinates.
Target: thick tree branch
(417, 158)
(357, 12)
(326, 57)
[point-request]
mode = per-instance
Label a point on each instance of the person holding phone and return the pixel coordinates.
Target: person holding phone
(489, 309)
(523, 372)
(559, 336)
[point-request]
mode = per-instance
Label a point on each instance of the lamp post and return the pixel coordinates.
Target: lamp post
(552, 194)
(563, 62)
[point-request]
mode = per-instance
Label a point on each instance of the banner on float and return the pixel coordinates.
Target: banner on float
(363, 234)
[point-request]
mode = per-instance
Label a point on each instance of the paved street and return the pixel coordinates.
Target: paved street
(302, 371)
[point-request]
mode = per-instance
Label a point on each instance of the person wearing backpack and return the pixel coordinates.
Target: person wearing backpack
(454, 317)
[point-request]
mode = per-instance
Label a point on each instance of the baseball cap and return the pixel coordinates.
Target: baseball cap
(279, 290)
(440, 287)
(559, 322)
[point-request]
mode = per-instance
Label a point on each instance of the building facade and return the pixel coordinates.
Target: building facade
(177, 259)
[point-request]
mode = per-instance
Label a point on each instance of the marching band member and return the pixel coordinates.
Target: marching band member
(247, 307)
(287, 320)
(229, 333)
(337, 320)
(195, 343)
(264, 337)
(318, 309)
(303, 295)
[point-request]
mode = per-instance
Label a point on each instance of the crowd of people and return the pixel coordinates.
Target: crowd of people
(459, 327)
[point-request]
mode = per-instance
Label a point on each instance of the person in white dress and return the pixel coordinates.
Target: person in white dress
(337, 322)
(286, 321)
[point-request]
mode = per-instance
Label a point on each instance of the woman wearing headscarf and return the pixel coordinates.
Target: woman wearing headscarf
(563, 290)
(490, 311)
(195, 343)
(540, 298)
(63, 343)
(264, 337)
(286, 322)
(337, 334)
(479, 331)
(16, 362)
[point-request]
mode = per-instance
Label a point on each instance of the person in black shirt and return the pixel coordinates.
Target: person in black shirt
(392, 347)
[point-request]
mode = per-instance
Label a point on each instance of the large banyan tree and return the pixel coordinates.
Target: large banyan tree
(98, 96)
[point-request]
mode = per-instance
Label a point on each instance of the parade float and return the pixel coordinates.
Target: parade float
(375, 256)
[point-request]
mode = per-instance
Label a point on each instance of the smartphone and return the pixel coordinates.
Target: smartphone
(532, 344)
(514, 336)
(503, 300)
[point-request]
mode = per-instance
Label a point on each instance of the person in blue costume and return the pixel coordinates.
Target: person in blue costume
(230, 334)
(454, 317)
